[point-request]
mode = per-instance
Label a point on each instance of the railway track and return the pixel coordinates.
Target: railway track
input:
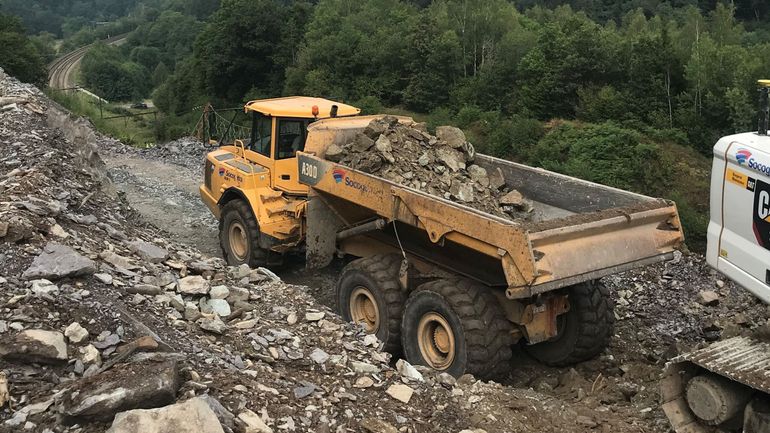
(61, 72)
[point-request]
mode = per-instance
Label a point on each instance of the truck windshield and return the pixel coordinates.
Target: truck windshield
(261, 133)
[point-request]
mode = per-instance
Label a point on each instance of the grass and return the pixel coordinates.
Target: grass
(136, 131)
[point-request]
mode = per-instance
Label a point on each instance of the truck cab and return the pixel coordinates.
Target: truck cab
(252, 185)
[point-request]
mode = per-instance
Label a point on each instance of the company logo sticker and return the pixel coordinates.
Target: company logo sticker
(742, 156)
(747, 159)
(221, 171)
(338, 174)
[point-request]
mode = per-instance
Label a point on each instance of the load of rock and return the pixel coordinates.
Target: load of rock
(441, 165)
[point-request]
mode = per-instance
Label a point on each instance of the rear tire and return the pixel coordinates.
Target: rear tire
(458, 327)
(584, 331)
(368, 291)
(239, 237)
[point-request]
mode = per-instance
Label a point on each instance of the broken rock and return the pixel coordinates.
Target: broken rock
(253, 423)
(58, 261)
(191, 416)
(374, 425)
(36, 345)
(708, 297)
(76, 333)
(139, 385)
(194, 285)
(454, 137)
(400, 392)
(148, 252)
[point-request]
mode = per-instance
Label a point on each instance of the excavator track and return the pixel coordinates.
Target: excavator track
(743, 360)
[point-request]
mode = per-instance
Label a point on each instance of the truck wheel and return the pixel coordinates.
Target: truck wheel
(368, 292)
(458, 327)
(239, 236)
(584, 331)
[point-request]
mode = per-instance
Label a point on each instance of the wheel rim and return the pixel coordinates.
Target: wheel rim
(436, 341)
(363, 309)
(239, 243)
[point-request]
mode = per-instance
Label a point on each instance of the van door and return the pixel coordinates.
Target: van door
(739, 230)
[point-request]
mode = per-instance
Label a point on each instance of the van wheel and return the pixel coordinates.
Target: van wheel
(584, 331)
(368, 292)
(458, 327)
(239, 237)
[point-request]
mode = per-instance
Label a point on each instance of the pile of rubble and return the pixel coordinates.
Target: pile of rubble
(440, 165)
(107, 326)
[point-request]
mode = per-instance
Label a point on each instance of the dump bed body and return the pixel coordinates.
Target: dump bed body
(579, 230)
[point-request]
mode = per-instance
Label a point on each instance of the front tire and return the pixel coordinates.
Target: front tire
(239, 237)
(584, 331)
(368, 292)
(458, 327)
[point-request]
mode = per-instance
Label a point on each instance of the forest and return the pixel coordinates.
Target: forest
(628, 93)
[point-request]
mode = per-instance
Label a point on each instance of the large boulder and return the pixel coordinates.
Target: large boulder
(139, 385)
(192, 416)
(36, 345)
(58, 261)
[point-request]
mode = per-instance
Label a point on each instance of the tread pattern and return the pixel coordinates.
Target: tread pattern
(592, 313)
(384, 269)
(597, 319)
(487, 331)
(257, 256)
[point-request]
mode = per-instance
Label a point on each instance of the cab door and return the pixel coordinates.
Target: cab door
(739, 230)
(290, 137)
(260, 149)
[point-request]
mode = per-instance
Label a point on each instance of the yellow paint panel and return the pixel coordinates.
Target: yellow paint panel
(300, 106)
(737, 178)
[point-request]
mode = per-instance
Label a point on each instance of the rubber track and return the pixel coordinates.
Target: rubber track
(487, 332)
(384, 269)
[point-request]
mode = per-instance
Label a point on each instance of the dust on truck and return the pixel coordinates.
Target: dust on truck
(443, 284)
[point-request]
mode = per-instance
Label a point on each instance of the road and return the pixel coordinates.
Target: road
(61, 72)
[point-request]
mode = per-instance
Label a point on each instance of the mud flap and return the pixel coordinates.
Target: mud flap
(322, 227)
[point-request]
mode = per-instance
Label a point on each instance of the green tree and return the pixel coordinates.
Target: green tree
(19, 56)
(238, 47)
(569, 54)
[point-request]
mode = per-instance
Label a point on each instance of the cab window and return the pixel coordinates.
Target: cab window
(291, 137)
(261, 134)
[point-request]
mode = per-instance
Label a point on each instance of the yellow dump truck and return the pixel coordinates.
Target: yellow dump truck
(446, 285)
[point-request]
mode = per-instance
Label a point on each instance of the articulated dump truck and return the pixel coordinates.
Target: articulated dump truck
(443, 284)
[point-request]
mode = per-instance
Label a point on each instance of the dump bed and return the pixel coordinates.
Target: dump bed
(578, 231)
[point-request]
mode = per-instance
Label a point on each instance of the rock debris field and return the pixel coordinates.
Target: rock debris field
(109, 323)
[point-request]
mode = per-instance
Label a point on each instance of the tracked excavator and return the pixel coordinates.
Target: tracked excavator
(726, 386)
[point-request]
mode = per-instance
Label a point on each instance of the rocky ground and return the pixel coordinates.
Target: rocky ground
(106, 311)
